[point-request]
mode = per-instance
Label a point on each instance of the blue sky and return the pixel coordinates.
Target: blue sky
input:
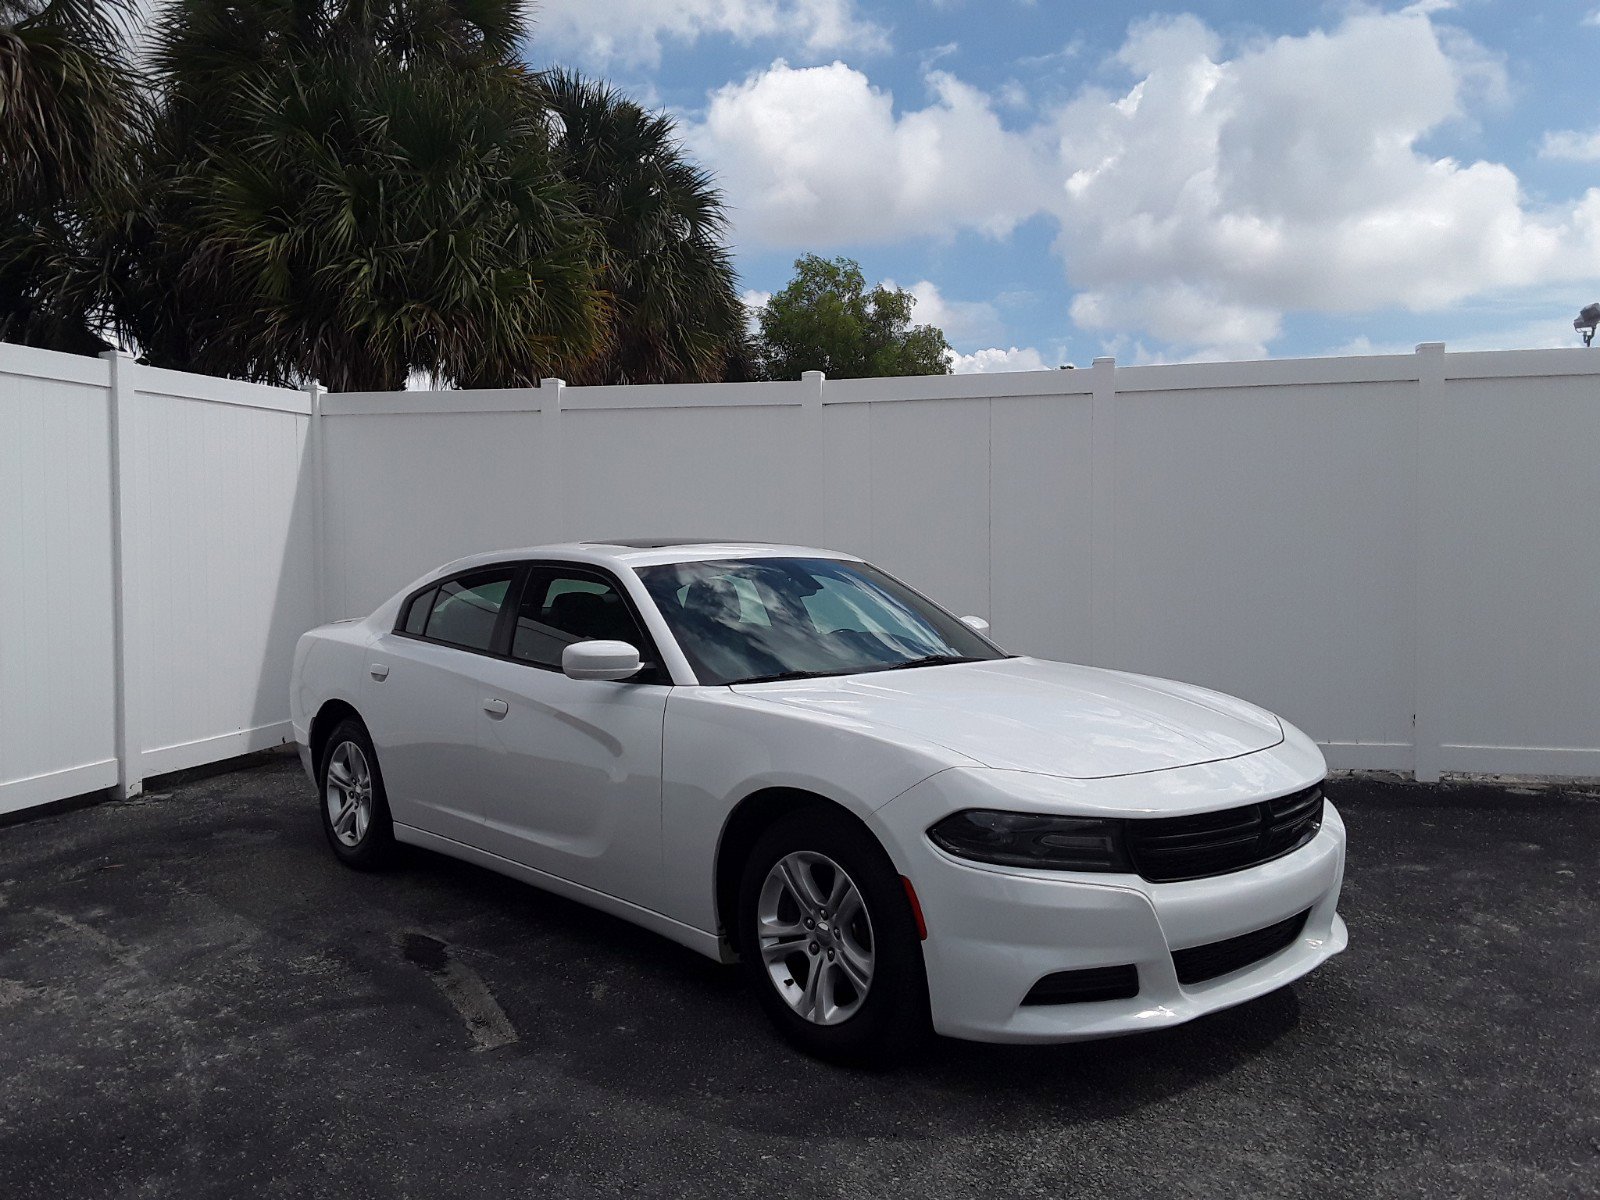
(1225, 179)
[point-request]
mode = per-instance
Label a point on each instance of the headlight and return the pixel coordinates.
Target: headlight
(1029, 840)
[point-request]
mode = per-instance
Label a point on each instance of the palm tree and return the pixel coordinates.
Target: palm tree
(69, 112)
(354, 191)
(676, 315)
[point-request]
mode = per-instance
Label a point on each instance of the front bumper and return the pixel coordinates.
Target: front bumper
(994, 932)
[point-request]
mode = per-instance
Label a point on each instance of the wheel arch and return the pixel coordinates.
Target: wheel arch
(323, 725)
(744, 826)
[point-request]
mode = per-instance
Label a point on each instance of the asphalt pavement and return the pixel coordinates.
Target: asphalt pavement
(197, 1000)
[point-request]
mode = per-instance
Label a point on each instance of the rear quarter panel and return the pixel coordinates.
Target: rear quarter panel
(327, 666)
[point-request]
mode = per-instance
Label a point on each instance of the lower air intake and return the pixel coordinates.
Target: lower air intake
(1080, 987)
(1200, 963)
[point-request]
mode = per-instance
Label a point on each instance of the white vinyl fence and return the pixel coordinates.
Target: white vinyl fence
(1399, 553)
(156, 563)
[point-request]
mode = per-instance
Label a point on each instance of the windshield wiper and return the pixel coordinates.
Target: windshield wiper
(788, 675)
(927, 660)
(932, 660)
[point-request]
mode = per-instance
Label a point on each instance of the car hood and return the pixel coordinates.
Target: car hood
(1026, 714)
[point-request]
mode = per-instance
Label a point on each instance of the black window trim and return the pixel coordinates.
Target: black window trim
(501, 632)
(652, 671)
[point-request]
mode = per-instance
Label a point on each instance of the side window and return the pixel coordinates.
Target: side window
(464, 609)
(560, 608)
(417, 615)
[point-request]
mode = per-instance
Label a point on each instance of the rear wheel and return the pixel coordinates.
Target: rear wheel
(829, 940)
(355, 811)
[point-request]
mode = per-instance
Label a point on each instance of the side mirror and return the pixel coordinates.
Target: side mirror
(976, 624)
(600, 660)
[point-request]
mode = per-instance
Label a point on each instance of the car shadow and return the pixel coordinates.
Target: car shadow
(632, 1014)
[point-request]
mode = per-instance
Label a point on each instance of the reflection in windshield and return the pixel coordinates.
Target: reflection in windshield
(744, 620)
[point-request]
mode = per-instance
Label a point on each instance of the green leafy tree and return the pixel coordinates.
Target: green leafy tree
(676, 315)
(353, 191)
(826, 320)
(69, 113)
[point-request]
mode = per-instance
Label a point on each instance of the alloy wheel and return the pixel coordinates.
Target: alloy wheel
(349, 793)
(815, 937)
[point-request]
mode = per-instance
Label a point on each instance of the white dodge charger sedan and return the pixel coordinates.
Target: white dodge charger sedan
(785, 756)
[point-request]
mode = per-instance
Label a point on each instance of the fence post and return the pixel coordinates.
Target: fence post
(125, 582)
(1102, 519)
(551, 394)
(811, 409)
(1426, 644)
(319, 500)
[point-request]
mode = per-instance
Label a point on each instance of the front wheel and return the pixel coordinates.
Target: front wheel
(355, 810)
(829, 940)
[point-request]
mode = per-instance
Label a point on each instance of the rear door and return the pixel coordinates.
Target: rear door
(424, 700)
(572, 768)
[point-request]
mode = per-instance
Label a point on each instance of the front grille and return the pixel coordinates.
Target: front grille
(1200, 963)
(1092, 983)
(1170, 849)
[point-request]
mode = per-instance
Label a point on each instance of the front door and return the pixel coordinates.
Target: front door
(572, 768)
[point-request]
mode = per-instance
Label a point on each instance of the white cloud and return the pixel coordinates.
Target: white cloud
(817, 156)
(1216, 194)
(1198, 204)
(634, 31)
(754, 301)
(960, 320)
(1592, 19)
(1572, 145)
(1054, 58)
(995, 359)
(1181, 313)
(1522, 335)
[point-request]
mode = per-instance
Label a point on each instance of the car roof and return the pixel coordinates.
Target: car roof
(647, 552)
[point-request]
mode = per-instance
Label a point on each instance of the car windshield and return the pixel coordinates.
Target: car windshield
(747, 620)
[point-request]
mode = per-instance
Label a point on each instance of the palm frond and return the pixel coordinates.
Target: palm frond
(677, 315)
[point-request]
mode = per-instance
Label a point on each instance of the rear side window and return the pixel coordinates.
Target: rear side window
(462, 611)
(417, 616)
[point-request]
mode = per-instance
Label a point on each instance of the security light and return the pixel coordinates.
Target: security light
(1586, 322)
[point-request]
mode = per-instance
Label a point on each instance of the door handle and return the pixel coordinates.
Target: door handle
(379, 671)
(495, 708)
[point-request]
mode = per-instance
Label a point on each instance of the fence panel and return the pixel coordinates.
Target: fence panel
(1512, 589)
(1041, 500)
(408, 490)
(929, 516)
(57, 658)
(727, 472)
(220, 531)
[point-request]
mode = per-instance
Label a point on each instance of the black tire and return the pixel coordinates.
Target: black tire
(374, 846)
(891, 1016)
